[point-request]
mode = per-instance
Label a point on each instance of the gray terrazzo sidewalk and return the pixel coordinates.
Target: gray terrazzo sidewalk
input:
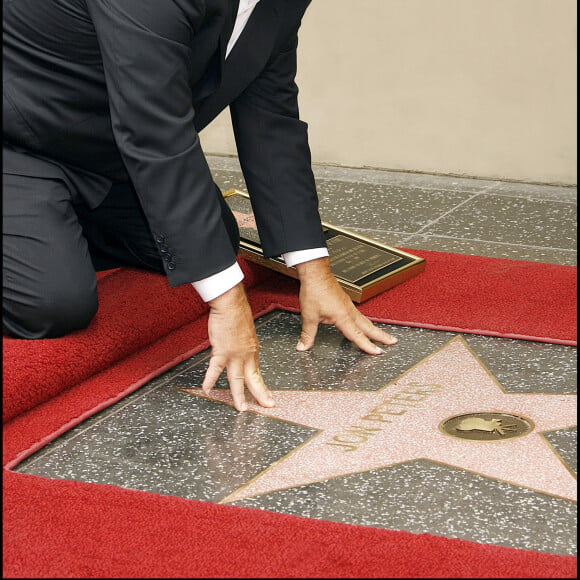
(499, 219)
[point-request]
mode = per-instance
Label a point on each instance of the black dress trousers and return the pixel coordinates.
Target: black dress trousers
(53, 243)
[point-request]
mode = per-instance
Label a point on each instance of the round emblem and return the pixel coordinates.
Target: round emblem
(486, 426)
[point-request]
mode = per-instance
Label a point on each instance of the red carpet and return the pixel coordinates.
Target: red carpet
(55, 528)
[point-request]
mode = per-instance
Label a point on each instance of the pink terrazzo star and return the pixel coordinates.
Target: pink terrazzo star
(245, 220)
(360, 431)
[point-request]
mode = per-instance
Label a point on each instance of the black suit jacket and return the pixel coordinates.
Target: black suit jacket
(101, 91)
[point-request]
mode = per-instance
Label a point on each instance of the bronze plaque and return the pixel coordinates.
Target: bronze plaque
(487, 426)
(363, 267)
(353, 260)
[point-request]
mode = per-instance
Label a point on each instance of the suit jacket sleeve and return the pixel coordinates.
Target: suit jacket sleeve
(272, 144)
(145, 49)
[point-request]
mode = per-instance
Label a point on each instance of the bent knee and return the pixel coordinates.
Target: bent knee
(51, 315)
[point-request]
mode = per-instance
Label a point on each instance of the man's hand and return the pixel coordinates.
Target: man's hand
(232, 335)
(323, 300)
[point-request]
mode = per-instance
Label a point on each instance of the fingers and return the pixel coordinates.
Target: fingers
(354, 326)
(214, 370)
(237, 385)
(354, 333)
(375, 333)
(362, 331)
(308, 335)
(257, 386)
(240, 374)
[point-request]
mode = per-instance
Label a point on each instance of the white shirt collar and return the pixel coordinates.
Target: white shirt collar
(246, 5)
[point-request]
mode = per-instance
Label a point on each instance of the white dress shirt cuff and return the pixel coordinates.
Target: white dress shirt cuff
(217, 284)
(299, 256)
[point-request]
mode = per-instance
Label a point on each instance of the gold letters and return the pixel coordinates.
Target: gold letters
(396, 405)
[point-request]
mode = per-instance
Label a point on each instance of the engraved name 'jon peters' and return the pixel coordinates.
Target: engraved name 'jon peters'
(388, 411)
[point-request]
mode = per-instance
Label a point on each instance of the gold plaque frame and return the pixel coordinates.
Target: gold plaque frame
(363, 267)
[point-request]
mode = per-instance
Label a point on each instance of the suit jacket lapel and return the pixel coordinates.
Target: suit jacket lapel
(210, 45)
(230, 20)
(244, 62)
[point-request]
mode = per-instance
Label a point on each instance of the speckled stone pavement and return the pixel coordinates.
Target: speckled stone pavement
(379, 441)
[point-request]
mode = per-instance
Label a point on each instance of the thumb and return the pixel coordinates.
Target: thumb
(309, 330)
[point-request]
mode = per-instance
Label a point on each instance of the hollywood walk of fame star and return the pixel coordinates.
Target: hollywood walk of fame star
(360, 430)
